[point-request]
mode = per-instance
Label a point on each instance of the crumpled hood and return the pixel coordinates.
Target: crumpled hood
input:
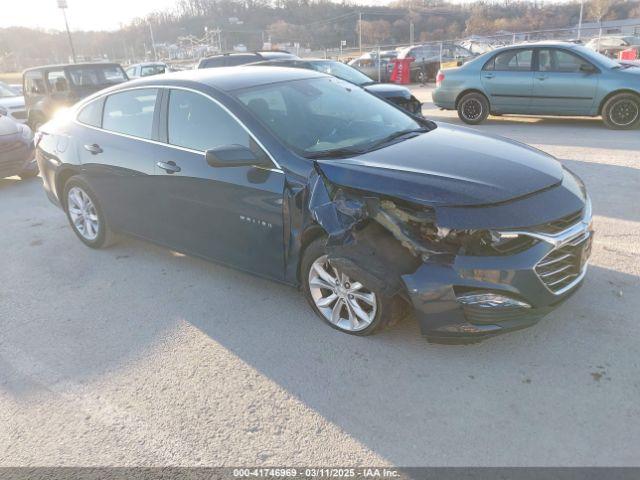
(389, 90)
(448, 166)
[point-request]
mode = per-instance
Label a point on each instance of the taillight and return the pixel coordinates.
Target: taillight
(439, 78)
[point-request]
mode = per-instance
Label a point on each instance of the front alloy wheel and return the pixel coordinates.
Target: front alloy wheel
(342, 301)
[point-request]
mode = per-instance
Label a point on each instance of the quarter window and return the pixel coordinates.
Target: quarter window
(511, 61)
(130, 112)
(91, 114)
(196, 122)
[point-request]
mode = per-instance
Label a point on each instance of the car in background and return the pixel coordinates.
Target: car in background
(146, 69)
(396, 94)
(16, 150)
(546, 78)
(50, 88)
(370, 65)
(235, 59)
(300, 177)
(429, 58)
(16, 87)
(612, 45)
(12, 104)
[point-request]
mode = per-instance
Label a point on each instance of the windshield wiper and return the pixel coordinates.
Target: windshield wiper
(396, 135)
(334, 153)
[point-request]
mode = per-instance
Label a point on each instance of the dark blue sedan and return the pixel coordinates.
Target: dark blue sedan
(307, 179)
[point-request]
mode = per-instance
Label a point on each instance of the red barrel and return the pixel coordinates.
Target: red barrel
(401, 72)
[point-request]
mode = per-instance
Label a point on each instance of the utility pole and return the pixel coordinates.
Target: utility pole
(62, 5)
(153, 43)
(411, 33)
(580, 21)
(360, 31)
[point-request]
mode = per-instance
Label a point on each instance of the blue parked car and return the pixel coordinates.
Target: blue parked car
(550, 78)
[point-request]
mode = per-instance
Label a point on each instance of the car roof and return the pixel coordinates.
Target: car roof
(227, 79)
(65, 65)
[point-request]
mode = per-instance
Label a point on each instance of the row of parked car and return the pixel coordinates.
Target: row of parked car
(550, 78)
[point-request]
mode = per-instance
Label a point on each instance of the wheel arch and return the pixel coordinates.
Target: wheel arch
(471, 90)
(61, 180)
(309, 235)
(614, 93)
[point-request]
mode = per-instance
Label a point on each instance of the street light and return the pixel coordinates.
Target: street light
(62, 5)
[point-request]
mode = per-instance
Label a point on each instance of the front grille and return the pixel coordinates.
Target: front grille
(560, 268)
(559, 225)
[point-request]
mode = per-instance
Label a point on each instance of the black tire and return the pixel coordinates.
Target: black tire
(622, 112)
(105, 237)
(388, 310)
(473, 108)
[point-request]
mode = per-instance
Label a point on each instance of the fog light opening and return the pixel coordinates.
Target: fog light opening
(490, 300)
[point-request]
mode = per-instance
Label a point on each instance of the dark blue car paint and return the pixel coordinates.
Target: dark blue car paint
(259, 220)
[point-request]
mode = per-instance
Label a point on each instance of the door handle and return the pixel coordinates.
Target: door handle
(542, 77)
(169, 167)
(94, 149)
(488, 75)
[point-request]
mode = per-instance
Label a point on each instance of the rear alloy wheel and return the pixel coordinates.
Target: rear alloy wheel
(622, 112)
(85, 215)
(473, 108)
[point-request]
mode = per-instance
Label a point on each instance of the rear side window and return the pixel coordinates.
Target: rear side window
(130, 112)
(57, 81)
(511, 61)
(196, 122)
(91, 114)
(212, 62)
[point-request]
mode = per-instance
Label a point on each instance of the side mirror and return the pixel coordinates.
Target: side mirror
(586, 68)
(232, 156)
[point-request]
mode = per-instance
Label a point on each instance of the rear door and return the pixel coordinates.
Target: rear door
(564, 83)
(118, 157)
(507, 78)
(229, 214)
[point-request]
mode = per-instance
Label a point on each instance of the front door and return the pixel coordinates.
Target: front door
(564, 83)
(229, 214)
(508, 80)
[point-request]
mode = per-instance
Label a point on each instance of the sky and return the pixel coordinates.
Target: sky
(82, 14)
(90, 14)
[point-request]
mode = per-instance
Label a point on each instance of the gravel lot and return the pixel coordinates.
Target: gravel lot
(136, 355)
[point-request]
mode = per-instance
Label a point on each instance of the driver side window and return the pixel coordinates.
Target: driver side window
(196, 122)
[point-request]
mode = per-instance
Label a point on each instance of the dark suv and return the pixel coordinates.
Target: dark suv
(234, 59)
(47, 89)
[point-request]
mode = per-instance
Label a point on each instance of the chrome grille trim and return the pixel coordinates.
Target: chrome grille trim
(561, 259)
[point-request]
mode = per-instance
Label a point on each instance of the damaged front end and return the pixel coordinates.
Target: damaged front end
(462, 280)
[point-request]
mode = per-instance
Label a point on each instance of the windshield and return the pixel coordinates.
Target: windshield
(6, 91)
(342, 71)
(96, 75)
(325, 115)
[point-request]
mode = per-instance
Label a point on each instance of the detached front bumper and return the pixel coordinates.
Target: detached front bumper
(476, 297)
